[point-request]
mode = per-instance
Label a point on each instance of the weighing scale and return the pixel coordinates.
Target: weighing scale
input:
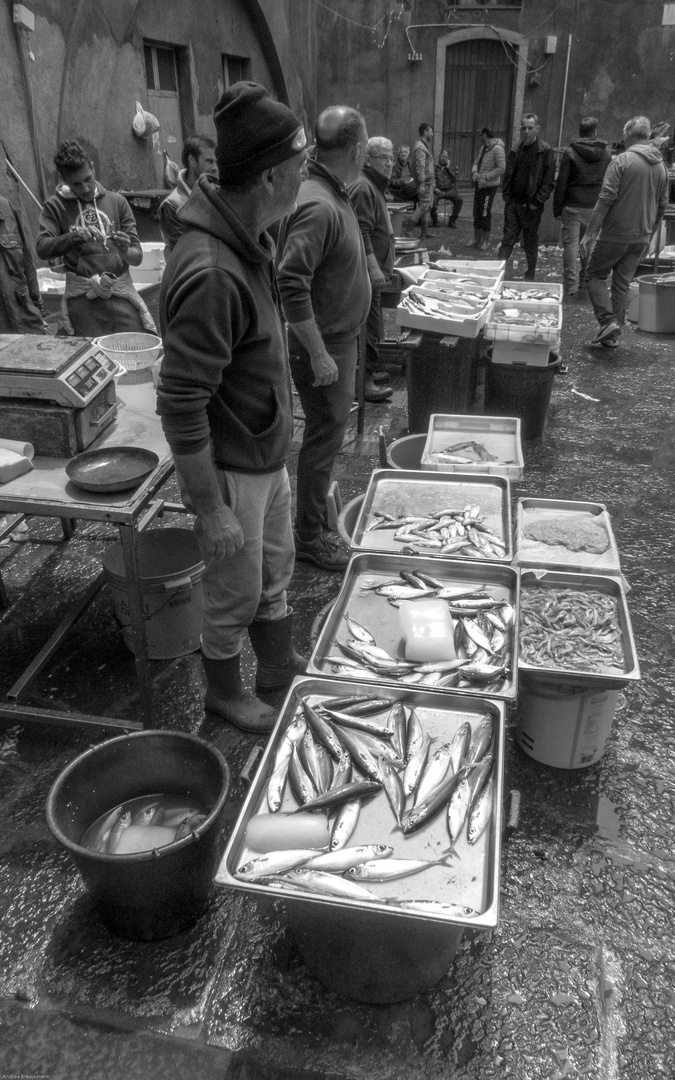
(57, 393)
(69, 371)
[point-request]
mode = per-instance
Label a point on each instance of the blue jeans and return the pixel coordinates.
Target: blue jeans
(326, 410)
(252, 583)
(621, 261)
(574, 222)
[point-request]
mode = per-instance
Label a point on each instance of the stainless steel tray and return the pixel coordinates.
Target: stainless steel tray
(471, 879)
(419, 492)
(612, 586)
(557, 556)
(381, 618)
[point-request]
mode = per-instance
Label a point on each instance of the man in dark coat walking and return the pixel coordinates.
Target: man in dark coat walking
(528, 182)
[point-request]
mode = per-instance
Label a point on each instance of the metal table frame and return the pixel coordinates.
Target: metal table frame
(131, 513)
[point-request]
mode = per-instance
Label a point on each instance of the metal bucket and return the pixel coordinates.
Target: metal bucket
(150, 894)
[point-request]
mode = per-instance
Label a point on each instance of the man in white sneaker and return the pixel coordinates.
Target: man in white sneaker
(629, 210)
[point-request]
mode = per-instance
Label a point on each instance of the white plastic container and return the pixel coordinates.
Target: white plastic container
(566, 727)
(500, 435)
(428, 630)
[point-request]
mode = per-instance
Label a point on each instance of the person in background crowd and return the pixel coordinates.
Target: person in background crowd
(445, 187)
(402, 182)
(582, 170)
(630, 208)
(423, 170)
(486, 174)
(199, 159)
(325, 292)
(367, 195)
(528, 181)
(20, 301)
(225, 398)
(94, 232)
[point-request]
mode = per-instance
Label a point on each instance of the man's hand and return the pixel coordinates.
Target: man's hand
(121, 241)
(587, 243)
(324, 368)
(220, 533)
(377, 278)
(81, 234)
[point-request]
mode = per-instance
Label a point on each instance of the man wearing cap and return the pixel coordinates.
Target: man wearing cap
(325, 292)
(225, 397)
(486, 173)
(529, 179)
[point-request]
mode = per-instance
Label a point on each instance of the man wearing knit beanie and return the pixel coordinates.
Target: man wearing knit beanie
(225, 398)
(325, 292)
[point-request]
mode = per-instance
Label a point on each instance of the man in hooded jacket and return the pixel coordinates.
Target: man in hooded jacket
(225, 397)
(629, 210)
(580, 177)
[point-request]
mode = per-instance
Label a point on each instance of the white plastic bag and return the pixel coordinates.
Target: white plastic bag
(144, 124)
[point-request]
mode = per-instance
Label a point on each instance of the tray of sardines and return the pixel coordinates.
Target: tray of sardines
(444, 515)
(575, 629)
(416, 622)
(565, 535)
(378, 799)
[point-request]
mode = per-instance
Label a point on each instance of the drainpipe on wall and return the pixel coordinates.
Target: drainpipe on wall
(564, 94)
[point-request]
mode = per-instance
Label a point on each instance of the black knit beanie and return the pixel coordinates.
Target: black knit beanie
(254, 132)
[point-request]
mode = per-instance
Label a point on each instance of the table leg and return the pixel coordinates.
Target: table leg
(129, 539)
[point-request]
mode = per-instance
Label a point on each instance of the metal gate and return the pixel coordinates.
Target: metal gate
(480, 77)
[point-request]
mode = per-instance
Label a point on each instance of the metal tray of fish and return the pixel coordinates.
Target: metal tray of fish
(403, 495)
(577, 516)
(455, 881)
(474, 444)
(494, 670)
(591, 645)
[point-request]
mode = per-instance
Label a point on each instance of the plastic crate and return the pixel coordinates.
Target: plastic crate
(525, 332)
(499, 435)
(553, 288)
(448, 321)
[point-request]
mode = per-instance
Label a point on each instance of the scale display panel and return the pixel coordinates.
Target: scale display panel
(69, 371)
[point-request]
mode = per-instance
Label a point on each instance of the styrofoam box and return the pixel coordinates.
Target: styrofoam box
(153, 256)
(141, 275)
(499, 435)
(524, 332)
(554, 288)
(450, 285)
(461, 325)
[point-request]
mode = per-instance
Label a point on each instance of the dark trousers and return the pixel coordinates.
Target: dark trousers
(621, 261)
(373, 331)
(518, 218)
(483, 199)
(326, 410)
(452, 196)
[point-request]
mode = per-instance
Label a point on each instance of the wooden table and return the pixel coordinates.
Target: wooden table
(47, 492)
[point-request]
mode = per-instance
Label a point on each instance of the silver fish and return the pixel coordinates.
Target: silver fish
(437, 907)
(480, 775)
(358, 631)
(361, 723)
(147, 815)
(336, 862)
(393, 786)
(301, 782)
(459, 747)
(458, 808)
(342, 772)
(123, 822)
(480, 812)
(390, 869)
(424, 812)
(482, 739)
(320, 882)
(275, 862)
(415, 766)
(476, 634)
(307, 753)
(435, 772)
(356, 789)
(415, 734)
(397, 721)
(360, 755)
(99, 839)
(322, 731)
(345, 822)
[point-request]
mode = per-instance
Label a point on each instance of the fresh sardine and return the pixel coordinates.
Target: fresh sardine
(480, 812)
(345, 822)
(336, 862)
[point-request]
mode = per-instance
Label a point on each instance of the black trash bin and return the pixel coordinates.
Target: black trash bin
(521, 390)
(442, 378)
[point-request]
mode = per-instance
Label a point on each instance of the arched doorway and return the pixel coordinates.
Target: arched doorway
(480, 79)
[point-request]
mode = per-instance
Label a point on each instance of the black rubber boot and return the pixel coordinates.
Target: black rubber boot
(278, 662)
(226, 696)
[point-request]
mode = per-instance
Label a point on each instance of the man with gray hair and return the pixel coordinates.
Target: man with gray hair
(368, 198)
(325, 293)
(629, 210)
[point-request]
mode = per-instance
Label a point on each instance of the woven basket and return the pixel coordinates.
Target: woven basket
(133, 351)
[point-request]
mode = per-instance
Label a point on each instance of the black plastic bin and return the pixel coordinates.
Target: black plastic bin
(524, 391)
(442, 378)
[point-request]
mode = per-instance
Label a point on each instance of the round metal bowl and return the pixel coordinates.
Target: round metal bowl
(405, 243)
(111, 468)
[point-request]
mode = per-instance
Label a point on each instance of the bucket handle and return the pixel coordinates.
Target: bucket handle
(174, 586)
(512, 815)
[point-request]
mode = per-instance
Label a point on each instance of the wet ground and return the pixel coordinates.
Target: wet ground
(577, 981)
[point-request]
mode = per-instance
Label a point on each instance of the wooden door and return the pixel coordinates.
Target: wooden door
(480, 77)
(164, 103)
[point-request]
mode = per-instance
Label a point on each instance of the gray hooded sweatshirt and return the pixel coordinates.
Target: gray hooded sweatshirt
(635, 189)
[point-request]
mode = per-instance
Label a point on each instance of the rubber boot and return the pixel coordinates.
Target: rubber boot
(278, 662)
(477, 234)
(226, 696)
(483, 240)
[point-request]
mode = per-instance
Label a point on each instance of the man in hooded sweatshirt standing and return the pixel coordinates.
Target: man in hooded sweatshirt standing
(225, 397)
(94, 232)
(630, 208)
(580, 177)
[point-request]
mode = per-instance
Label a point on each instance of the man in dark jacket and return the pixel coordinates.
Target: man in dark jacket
(199, 159)
(402, 183)
(367, 195)
(20, 301)
(580, 177)
(528, 182)
(225, 397)
(325, 293)
(630, 208)
(445, 187)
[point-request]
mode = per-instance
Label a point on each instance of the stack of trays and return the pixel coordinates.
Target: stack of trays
(452, 298)
(474, 444)
(395, 498)
(524, 331)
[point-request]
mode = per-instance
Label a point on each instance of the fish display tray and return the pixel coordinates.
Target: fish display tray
(553, 288)
(382, 619)
(419, 492)
(525, 332)
(470, 880)
(611, 586)
(461, 325)
(499, 435)
(531, 553)
(488, 272)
